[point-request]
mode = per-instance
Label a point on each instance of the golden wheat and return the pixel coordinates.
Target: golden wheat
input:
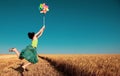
(90, 65)
(63, 65)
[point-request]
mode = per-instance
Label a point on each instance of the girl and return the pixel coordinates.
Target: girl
(29, 53)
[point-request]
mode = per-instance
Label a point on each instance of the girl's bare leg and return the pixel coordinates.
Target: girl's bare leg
(16, 51)
(24, 66)
(18, 54)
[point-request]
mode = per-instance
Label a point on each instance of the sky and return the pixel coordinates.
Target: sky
(72, 26)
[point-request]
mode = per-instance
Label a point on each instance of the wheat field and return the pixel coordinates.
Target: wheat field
(63, 65)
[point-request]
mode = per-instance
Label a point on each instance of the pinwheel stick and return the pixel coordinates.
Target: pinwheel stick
(44, 20)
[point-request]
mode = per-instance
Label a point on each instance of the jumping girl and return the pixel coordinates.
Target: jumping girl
(29, 53)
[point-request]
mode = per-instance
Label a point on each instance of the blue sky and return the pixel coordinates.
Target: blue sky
(72, 26)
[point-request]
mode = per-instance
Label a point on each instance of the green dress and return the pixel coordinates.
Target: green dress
(30, 52)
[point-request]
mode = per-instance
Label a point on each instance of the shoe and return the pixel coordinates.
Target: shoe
(26, 69)
(11, 50)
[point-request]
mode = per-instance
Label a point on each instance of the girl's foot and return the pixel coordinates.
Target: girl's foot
(11, 50)
(24, 68)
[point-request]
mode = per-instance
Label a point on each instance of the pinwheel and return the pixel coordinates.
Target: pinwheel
(43, 9)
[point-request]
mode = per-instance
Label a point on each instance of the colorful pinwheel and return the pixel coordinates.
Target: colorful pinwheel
(43, 8)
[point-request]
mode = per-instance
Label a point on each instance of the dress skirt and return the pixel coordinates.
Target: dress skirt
(30, 54)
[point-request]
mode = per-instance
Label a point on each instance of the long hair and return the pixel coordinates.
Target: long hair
(31, 35)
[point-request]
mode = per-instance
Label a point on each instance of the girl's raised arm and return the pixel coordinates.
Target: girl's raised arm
(40, 32)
